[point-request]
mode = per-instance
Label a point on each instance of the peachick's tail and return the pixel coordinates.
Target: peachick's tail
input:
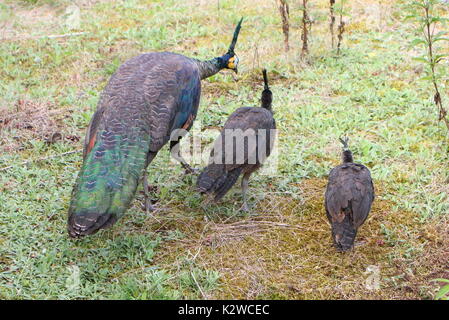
(215, 180)
(107, 182)
(344, 233)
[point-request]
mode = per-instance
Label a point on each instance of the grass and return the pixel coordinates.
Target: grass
(49, 89)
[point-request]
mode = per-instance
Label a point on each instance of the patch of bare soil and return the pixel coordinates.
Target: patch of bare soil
(30, 121)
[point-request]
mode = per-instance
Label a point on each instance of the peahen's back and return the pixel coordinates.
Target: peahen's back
(148, 97)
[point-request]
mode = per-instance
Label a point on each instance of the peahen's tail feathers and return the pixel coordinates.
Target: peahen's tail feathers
(106, 183)
(83, 224)
(227, 183)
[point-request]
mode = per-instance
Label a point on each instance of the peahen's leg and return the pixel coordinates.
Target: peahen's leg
(245, 181)
(148, 206)
(174, 151)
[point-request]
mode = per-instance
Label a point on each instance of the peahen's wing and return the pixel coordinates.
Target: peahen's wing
(337, 196)
(91, 133)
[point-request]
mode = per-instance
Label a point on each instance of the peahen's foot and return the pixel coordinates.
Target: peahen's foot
(359, 243)
(150, 209)
(195, 171)
(147, 190)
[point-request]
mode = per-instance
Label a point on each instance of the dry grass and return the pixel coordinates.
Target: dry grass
(275, 254)
(31, 121)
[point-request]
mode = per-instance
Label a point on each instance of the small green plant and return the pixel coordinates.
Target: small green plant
(443, 293)
(305, 30)
(341, 25)
(332, 21)
(284, 11)
(426, 16)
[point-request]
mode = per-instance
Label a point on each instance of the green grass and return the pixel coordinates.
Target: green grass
(371, 92)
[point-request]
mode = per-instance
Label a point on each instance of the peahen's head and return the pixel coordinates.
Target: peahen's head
(230, 59)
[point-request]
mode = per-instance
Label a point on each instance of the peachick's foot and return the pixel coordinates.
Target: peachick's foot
(148, 207)
(244, 207)
(190, 170)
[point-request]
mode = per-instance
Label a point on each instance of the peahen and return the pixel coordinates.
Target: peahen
(148, 98)
(348, 198)
(228, 159)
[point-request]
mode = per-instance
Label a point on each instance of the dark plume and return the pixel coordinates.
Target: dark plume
(267, 96)
(234, 39)
(265, 79)
(347, 154)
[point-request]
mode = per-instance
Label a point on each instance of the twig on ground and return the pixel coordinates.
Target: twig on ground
(284, 11)
(253, 224)
(41, 159)
(305, 31)
(332, 22)
(197, 284)
(53, 36)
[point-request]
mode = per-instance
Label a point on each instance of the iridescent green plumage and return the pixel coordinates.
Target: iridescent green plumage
(146, 100)
(108, 180)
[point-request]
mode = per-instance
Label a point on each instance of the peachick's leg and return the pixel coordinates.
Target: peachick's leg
(245, 181)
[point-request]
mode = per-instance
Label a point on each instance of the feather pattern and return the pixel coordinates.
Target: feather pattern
(146, 99)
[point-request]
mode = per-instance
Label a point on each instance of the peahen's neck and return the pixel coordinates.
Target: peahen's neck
(210, 67)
